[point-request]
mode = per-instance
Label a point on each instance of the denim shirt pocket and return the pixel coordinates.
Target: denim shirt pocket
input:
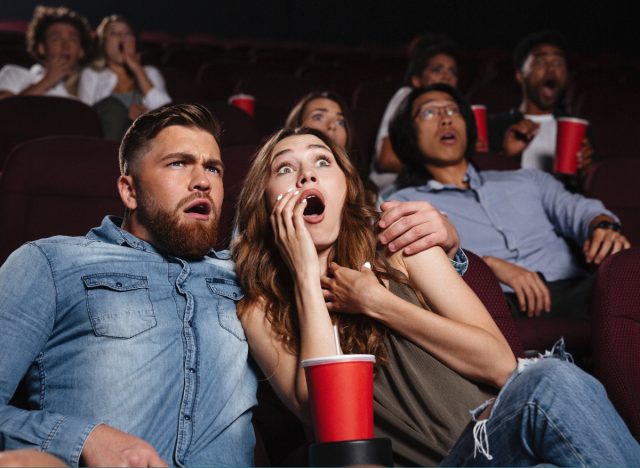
(119, 305)
(230, 294)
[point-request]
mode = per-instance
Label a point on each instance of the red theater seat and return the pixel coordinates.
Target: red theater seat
(616, 333)
(26, 117)
(57, 185)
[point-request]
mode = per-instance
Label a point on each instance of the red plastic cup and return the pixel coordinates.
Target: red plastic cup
(341, 396)
(480, 114)
(568, 142)
(245, 102)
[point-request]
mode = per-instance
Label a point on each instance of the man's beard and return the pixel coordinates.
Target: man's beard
(534, 94)
(189, 241)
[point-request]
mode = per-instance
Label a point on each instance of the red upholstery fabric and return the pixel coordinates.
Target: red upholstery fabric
(486, 286)
(26, 117)
(611, 112)
(238, 128)
(614, 182)
(57, 185)
(541, 334)
(616, 333)
(523, 333)
(236, 165)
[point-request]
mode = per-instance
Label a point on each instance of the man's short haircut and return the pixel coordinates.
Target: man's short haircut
(146, 127)
(424, 49)
(44, 16)
(404, 135)
(530, 42)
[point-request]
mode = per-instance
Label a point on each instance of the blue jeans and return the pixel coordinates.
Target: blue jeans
(549, 412)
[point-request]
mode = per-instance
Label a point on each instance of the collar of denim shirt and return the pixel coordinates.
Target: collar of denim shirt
(111, 232)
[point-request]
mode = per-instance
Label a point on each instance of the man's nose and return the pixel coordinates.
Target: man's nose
(199, 179)
(445, 119)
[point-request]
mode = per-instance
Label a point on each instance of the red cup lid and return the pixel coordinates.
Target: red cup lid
(242, 96)
(573, 119)
(338, 358)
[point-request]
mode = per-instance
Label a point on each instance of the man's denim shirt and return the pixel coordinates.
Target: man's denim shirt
(107, 330)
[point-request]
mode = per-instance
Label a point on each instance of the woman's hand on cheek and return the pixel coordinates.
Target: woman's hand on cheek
(291, 235)
(350, 291)
(131, 56)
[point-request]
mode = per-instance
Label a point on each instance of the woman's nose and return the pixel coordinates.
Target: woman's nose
(307, 176)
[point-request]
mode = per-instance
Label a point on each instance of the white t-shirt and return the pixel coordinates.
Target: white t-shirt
(541, 151)
(385, 179)
(15, 79)
(96, 85)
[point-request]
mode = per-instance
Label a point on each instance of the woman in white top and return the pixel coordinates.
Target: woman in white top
(119, 86)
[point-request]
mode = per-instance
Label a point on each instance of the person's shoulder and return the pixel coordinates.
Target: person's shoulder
(11, 68)
(12, 72)
(400, 94)
(90, 71)
(516, 174)
(406, 194)
(45, 249)
(151, 69)
(53, 243)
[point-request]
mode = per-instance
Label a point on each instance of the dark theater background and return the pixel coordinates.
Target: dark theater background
(591, 27)
(277, 51)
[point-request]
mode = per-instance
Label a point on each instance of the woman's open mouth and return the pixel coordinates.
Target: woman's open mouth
(314, 211)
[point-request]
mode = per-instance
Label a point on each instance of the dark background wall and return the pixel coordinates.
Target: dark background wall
(591, 27)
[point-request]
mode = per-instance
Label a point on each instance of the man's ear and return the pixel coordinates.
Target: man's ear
(127, 192)
(415, 81)
(519, 76)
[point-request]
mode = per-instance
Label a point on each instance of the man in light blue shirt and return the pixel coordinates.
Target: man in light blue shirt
(517, 220)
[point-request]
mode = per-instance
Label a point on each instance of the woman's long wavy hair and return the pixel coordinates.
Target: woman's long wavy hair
(266, 279)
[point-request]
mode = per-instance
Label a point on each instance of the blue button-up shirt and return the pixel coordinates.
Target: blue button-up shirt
(107, 330)
(518, 216)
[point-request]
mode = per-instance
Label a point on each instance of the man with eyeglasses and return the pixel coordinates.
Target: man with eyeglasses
(517, 220)
(530, 129)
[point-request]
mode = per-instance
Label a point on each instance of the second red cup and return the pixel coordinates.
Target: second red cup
(571, 132)
(480, 114)
(246, 102)
(341, 396)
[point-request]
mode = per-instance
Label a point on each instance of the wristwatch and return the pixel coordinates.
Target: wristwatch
(605, 225)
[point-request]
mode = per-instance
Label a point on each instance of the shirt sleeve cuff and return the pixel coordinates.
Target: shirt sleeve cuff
(66, 440)
(460, 262)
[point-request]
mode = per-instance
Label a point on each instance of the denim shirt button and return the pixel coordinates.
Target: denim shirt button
(192, 370)
(190, 323)
(187, 417)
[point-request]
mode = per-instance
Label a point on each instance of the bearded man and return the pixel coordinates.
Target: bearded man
(126, 339)
(529, 131)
